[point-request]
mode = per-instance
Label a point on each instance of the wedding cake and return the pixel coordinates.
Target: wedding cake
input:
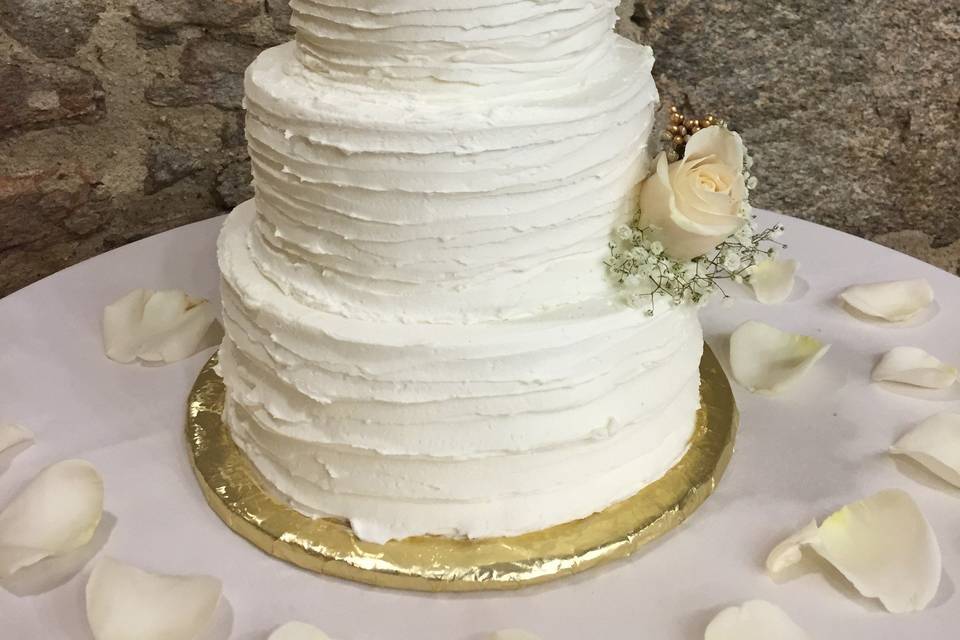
(421, 334)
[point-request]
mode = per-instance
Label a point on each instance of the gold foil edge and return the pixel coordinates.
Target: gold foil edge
(237, 493)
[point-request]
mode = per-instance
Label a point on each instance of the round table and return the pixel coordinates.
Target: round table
(798, 456)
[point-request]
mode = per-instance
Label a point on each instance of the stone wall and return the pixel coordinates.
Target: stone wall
(122, 118)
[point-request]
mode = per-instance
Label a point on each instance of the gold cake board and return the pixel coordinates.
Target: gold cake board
(239, 495)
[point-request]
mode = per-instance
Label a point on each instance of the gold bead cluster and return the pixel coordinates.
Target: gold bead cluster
(680, 128)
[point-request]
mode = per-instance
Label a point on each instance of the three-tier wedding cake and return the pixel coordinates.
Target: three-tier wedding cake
(421, 336)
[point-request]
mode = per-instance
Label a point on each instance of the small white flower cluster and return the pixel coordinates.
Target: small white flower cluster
(646, 274)
(749, 179)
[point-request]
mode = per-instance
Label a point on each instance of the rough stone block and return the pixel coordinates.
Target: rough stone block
(51, 28)
(167, 165)
(232, 132)
(234, 184)
(33, 204)
(207, 60)
(211, 72)
(174, 93)
(163, 14)
(280, 13)
(40, 95)
(157, 38)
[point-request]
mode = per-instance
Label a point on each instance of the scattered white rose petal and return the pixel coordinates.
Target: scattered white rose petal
(913, 366)
(56, 513)
(773, 280)
(789, 552)
(754, 620)
(127, 603)
(891, 301)
(766, 360)
(155, 326)
(298, 631)
(935, 443)
(883, 545)
(514, 634)
(12, 435)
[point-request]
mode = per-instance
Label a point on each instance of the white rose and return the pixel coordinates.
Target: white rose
(694, 204)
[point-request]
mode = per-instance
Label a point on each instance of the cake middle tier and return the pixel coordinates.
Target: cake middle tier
(465, 430)
(380, 204)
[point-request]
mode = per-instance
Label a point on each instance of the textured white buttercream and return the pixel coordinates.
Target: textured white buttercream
(420, 335)
(474, 42)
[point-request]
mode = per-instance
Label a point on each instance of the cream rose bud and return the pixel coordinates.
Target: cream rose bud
(694, 204)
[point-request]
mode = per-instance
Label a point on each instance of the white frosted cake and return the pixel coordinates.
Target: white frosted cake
(421, 336)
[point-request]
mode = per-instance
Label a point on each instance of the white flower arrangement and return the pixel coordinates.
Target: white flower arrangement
(694, 228)
(646, 274)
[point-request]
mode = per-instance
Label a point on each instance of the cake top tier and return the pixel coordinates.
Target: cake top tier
(478, 42)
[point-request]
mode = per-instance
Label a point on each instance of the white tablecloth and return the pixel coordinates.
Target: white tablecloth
(799, 455)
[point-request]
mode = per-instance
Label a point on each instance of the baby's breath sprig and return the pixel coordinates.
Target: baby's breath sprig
(646, 274)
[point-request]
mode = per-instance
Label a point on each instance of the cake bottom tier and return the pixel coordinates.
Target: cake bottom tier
(484, 430)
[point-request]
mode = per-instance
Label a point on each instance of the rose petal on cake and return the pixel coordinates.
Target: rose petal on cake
(12, 435)
(57, 512)
(773, 280)
(766, 360)
(725, 145)
(935, 443)
(514, 634)
(128, 603)
(896, 301)
(155, 326)
(754, 620)
(914, 366)
(883, 545)
(298, 631)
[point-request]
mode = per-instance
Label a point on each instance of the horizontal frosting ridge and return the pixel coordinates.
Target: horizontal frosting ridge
(470, 43)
